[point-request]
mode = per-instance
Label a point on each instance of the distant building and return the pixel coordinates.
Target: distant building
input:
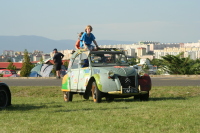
(147, 57)
(190, 45)
(141, 51)
(37, 57)
(4, 65)
(46, 56)
(130, 52)
(8, 53)
(193, 52)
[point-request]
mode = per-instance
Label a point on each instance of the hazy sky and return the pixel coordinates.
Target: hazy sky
(124, 20)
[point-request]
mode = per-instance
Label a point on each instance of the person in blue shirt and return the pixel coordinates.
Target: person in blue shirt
(87, 38)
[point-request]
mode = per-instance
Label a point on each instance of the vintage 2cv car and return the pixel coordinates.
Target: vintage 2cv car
(5, 95)
(104, 73)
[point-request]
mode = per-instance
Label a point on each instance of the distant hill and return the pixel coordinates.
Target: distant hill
(19, 43)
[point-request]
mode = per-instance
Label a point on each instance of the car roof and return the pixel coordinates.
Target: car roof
(106, 52)
(5, 70)
(101, 51)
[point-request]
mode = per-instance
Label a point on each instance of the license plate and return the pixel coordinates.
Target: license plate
(130, 90)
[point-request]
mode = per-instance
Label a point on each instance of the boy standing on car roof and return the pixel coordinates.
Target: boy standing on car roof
(87, 38)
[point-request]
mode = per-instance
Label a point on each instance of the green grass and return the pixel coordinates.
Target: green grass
(41, 109)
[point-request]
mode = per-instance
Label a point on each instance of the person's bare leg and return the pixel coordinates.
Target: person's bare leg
(58, 74)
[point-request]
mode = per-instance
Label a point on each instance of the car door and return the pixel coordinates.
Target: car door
(74, 73)
(85, 73)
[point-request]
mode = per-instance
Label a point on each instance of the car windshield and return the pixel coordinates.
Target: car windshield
(108, 59)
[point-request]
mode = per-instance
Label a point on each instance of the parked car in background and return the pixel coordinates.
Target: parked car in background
(8, 73)
(104, 73)
(5, 95)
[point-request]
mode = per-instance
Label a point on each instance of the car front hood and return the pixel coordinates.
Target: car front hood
(119, 70)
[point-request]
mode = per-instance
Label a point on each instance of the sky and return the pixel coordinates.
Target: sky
(122, 20)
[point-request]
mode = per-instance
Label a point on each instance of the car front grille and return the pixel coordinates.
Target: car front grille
(127, 82)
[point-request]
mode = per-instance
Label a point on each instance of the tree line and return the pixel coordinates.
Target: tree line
(172, 64)
(175, 64)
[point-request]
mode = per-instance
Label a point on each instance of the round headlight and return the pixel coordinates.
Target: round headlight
(111, 74)
(141, 72)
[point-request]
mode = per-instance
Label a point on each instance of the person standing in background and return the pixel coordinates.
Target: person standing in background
(58, 62)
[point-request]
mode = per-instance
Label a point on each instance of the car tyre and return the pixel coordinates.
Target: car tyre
(4, 97)
(144, 97)
(96, 93)
(68, 96)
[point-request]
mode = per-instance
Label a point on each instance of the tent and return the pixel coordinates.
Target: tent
(35, 72)
(45, 70)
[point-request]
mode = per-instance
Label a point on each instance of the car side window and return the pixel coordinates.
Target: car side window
(83, 56)
(7, 72)
(123, 59)
(85, 59)
(70, 64)
(75, 62)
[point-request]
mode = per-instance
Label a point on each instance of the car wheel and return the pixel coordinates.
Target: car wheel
(68, 96)
(96, 93)
(144, 97)
(4, 97)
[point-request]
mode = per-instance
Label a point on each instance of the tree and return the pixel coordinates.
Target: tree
(41, 60)
(145, 68)
(26, 66)
(180, 65)
(133, 61)
(11, 66)
(157, 62)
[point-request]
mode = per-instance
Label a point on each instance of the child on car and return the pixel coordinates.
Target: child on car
(87, 38)
(77, 45)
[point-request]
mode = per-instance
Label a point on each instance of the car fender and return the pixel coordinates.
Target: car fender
(97, 79)
(65, 83)
(145, 82)
(106, 84)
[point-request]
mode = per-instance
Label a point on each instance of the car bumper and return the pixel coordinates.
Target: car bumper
(128, 91)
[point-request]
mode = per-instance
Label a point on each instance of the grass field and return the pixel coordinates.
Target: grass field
(42, 110)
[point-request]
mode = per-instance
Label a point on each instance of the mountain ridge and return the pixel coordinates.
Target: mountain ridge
(32, 42)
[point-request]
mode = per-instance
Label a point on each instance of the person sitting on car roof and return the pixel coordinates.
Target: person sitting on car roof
(77, 45)
(87, 38)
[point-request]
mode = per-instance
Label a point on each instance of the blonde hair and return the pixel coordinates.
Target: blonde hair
(88, 26)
